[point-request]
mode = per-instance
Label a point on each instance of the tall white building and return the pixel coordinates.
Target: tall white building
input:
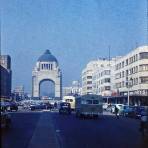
(131, 72)
(103, 78)
(119, 75)
(88, 75)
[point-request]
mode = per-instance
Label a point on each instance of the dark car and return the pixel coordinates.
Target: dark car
(138, 111)
(37, 107)
(5, 120)
(65, 108)
(13, 107)
(128, 111)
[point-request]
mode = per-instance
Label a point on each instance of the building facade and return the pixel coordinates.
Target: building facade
(47, 69)
(74, 89)
(118, 76)
(88, 76)
(103, 78)
(6, 76)
(131, 72)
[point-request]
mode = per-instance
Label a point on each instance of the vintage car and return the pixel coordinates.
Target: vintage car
(5, 118)
(64, 108)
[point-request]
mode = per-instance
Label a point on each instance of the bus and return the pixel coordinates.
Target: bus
(89, 105)
(71, 100)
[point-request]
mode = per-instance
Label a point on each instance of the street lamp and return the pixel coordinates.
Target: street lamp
(129, 84)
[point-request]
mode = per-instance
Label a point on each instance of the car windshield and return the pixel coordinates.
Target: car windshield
(64, 104)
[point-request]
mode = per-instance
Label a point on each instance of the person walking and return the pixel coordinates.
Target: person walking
(117, 112)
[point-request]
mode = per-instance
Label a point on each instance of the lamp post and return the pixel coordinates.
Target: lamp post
(129, 84)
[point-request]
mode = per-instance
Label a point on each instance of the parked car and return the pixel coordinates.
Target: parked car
(128, 111)
(138, 111)
(13, 107)
(64, 107)
(5, 120)
(144, 122)
(37, 106)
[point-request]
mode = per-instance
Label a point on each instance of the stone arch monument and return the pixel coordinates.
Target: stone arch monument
(47, 68)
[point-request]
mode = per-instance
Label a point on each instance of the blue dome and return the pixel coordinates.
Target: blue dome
(47, 57)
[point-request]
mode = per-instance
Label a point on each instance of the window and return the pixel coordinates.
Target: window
(126, 61)
(95, 101)
(136, 69)
(107, 87)
(126, 72)
(51, 66)
(143, 67)
(144, 80)
(136, 58)
(122, 64)
(89, 88)
(86, 102)
(89, 82)
(89, 77)
(107, 80)
(107, 72)
(143, 55)
(122, 83)
(122, 73)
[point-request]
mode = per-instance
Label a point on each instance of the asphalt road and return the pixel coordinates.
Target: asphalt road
(71, 132)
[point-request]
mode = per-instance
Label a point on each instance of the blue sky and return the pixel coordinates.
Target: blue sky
(76, 31)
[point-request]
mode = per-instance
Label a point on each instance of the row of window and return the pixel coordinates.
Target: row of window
(134, 81)
(143, 55)
(127, 62)
(126, 73)
(47, 66)
(104, 88)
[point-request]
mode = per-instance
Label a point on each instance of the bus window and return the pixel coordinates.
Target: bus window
(95, 101)
(88, 101)
(71, 100)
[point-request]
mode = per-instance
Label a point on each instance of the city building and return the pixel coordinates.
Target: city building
(6, 76)
(74, 89)
(119, 75)
(87, 75)
(102, 78)
(131, 72)
(18, 92)
(47, 69)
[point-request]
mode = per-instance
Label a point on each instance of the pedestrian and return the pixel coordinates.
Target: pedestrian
(117, 112)
(55, 105)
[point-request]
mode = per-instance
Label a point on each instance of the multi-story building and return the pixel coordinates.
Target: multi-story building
(6, 76)
(118, 76)
(19, 91)
(131, 72)
(103, 78)
(74, 89)
(87, 75)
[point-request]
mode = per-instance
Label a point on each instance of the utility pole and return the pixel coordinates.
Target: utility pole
(147, 20)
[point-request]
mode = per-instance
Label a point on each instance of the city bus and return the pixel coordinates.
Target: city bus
(71, 100)
(89, 105)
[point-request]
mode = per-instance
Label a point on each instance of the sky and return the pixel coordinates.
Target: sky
(75, 31)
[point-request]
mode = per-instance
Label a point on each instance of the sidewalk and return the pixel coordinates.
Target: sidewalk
(44, 135)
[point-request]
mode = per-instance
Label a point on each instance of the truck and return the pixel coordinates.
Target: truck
(89, 105)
